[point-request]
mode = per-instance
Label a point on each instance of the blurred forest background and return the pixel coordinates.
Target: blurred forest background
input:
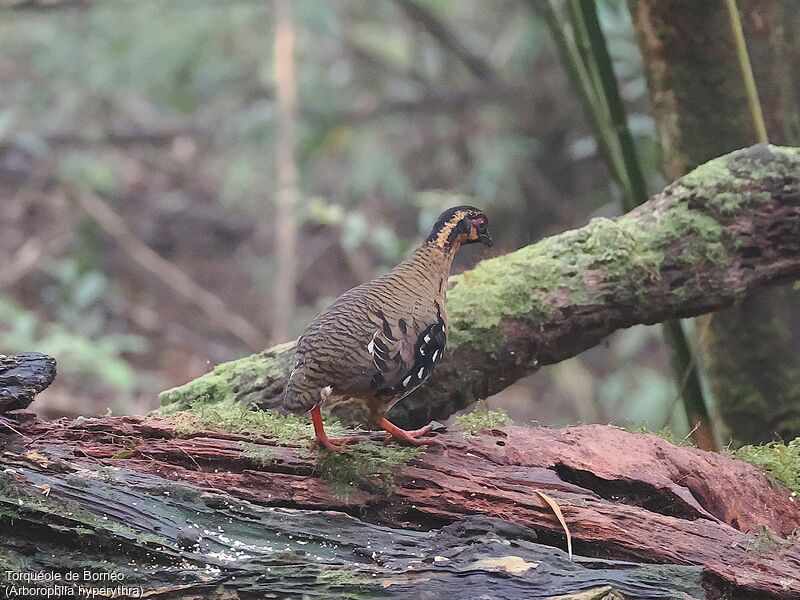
(154, 154)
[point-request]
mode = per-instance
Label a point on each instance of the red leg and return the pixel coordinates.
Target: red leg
(332, 444)
(409, 437)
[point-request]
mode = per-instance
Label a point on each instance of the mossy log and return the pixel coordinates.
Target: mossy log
(172, 510)
(710, 239)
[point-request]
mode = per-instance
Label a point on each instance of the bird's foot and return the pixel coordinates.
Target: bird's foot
(412, 434)
(408, 437)
(336, 445)
(415, 433)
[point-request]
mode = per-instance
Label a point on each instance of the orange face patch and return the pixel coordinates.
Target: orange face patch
(443, 236)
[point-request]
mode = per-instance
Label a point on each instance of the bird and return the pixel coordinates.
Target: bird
(381, 340)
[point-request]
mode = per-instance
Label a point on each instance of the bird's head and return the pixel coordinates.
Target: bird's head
(460, 225)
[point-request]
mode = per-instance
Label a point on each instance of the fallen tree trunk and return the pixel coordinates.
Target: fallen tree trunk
(171, 509)
(722, 232)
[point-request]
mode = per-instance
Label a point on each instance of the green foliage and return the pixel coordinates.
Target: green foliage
(780, 461)
(101, 359)
(481, 418)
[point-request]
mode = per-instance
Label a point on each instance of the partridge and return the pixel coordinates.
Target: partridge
(381, 340)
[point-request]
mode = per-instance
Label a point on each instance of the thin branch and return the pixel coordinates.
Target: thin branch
(582, 84)
(45, 5)
(747, 72)
(122, 136)
(479, 67)
(379, 63)
(287, 196)
(215, 308)
(433, 101)
(616, 109)
(28, 256)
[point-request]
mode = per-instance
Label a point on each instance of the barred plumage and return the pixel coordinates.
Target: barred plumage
(379, 341)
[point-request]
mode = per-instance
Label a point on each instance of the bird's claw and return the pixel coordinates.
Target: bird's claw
(335, 445)
(412, 441)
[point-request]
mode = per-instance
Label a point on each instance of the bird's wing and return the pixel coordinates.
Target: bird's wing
(405, 349)
(369, 344)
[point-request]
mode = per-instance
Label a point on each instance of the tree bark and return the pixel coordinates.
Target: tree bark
(717, 235)
(22, 377)
(178, 511)
(701, 111)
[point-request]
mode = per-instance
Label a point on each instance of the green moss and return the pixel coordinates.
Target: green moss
(231, 418)
(261, 455)
(531, 283)
(230, 381)
(781, 462)
(11, 561)
(664, 433)
(366, 466)
(21, 500)
(712, 173)
(347, 584)
(727, 181)
(765, 541)
(481, 418)
(341, 578)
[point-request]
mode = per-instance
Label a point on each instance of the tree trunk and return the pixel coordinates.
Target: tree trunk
(712, 238)
(701, 111)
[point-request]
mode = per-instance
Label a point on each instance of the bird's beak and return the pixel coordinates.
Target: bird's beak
(485, 238)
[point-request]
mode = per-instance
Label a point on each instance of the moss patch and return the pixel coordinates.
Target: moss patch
(230, 418)
(481, 418)
(11, 561)
(781, 462)
(346, 584)
(261, 455)
(765, 541)
(231, 381)
(664, 433)
(366, 465)
(17, 499)
(572, 268)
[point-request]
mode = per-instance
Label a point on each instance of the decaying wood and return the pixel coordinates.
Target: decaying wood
(22, 376)
(196, 511)
(713, 237)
